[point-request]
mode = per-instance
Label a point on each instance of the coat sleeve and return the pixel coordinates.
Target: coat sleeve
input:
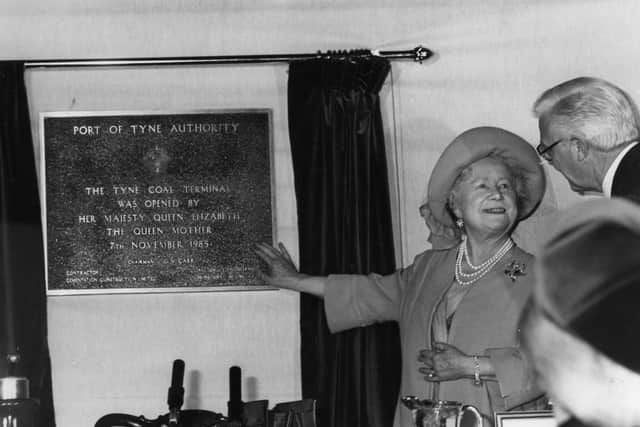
(353, 300)
(514, 380)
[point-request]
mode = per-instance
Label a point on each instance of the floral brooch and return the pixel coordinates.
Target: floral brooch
(514, 270)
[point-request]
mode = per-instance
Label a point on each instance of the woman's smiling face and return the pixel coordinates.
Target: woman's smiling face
(485, 198)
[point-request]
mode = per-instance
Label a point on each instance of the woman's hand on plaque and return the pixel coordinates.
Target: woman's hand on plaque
(278, 268)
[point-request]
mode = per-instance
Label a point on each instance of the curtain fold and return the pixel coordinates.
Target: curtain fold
(22, 277)
(344, 224)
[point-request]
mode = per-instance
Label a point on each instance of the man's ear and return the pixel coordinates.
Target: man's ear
(581, 147)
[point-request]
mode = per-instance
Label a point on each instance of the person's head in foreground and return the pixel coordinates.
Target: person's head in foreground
(581, 328)
(486, 180)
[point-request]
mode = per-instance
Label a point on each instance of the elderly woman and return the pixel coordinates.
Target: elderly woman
(458, 307)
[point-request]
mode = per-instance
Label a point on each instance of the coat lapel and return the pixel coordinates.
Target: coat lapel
(435, 282)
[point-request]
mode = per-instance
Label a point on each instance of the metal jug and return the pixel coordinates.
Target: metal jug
(17, 409)
(442, 413)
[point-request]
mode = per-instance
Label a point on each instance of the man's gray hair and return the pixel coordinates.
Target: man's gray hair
(601, 111)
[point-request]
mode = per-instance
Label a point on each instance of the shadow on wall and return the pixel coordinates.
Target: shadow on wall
(528, 233)
(558, 197)
(251, 389)
(193, 390)
(429, 139)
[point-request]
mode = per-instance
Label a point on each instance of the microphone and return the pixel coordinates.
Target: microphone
(175, 397)
(234, 405)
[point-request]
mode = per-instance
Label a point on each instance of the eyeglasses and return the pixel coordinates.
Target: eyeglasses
(543, 150)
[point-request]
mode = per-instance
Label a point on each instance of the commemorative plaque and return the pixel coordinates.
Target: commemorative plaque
(155, 202)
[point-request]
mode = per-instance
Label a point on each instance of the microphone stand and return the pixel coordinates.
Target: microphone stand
(175, 396)
(235, 404)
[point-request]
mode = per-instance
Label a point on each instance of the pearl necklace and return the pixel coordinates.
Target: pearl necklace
(478, 271)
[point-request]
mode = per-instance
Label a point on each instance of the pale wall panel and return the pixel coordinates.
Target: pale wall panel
(113, 353)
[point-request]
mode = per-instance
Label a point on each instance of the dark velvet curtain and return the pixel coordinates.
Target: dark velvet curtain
(22, 283)
(344, 224)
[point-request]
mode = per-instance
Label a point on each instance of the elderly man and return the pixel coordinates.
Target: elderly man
(581, 327)
(589, 133)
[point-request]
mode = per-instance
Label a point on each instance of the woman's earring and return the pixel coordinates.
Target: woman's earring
(460, 223)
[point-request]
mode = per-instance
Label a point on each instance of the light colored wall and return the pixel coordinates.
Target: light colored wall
(113, 353)
(493, 58)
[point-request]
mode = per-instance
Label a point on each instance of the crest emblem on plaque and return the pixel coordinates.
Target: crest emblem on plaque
(156, 160)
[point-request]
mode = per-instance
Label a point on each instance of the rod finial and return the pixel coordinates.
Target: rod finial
(13, 361)
(421, 53)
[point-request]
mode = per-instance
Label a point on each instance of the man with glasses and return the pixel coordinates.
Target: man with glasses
(589, 133)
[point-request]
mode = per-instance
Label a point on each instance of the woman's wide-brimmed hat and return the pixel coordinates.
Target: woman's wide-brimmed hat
(468, 147)
(588, 276)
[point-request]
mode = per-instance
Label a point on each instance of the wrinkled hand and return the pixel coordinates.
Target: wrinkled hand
(278, 269)
(444, 362)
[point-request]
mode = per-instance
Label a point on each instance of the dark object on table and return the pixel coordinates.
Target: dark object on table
(234, 405)
(175, 396)
(176, 417)
(255, 414)
(188, 418)
(301, 413)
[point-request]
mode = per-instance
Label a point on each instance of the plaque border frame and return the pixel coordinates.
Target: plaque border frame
(182, 289)
(527, 417)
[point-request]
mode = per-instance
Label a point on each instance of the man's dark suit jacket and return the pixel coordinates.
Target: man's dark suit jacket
(626, 182)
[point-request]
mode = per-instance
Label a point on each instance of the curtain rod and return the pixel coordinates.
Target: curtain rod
(418, 54)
